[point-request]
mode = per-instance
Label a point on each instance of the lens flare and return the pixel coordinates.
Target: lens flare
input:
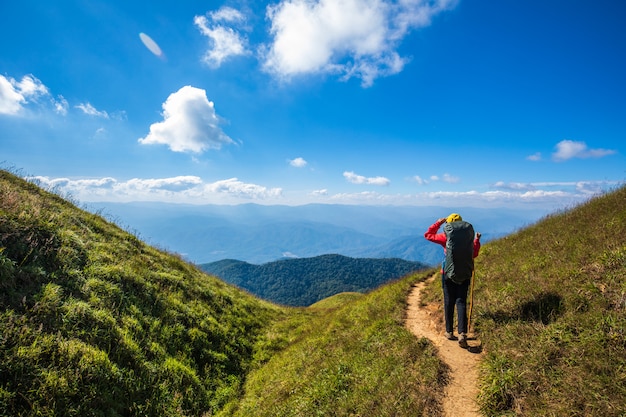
(151, 45)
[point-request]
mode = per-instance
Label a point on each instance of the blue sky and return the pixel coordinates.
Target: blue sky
(518, 103)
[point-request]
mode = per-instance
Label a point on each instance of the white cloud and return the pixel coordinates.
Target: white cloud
(514, 186)
(568, 149)
(10, 98)
(189, 124)
(534, 157)
(359, 179)
(185, 188)
(450, 179)
(90, 110)
(61, 105)
(298, 162)
(15, 94)
(318, 193)
(353, 38)
(585, 188)
(434, 178)
(365, 197)
(31, 87)
(236, 188)
(419, 180)
(194, 190)
(180, 183)
(227, 14)
(225, 42)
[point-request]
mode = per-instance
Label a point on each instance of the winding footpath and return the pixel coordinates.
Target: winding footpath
(462, 388)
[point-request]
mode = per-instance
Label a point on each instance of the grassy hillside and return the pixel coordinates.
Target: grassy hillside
(550, 308)
(94, 322)
(349, 355)
(304, 281)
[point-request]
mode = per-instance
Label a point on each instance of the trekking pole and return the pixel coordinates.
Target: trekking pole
(469, 316)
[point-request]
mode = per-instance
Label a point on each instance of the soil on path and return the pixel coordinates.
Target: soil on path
(462, 388)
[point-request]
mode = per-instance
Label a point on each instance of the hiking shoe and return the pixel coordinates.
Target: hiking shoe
(463, 341)
(450, 336)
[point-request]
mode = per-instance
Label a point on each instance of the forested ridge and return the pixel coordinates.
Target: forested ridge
(304, 281)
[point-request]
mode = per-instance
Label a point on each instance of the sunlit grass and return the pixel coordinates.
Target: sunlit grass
(353, 359)
(550, 309)
(95, 322)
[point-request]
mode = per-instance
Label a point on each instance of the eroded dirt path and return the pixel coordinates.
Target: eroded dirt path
(461, 391)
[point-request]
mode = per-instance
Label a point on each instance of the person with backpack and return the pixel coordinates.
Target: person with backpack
(461, 246)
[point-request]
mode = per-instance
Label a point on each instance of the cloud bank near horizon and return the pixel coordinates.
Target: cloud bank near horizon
(194, 190)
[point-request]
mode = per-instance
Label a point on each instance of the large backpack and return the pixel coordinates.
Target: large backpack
(459, 263)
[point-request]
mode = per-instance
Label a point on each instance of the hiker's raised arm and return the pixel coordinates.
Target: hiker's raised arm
(432, 235)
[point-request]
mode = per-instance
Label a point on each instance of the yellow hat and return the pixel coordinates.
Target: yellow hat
(454, 217)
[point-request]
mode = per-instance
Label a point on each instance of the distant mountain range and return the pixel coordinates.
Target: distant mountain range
(302, 282)
(259, 234)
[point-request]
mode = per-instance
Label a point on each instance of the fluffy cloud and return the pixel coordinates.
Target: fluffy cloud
(419, 180)
(568, 149)
(354, 38)
(186, 188)
(534, 157)
(225, 42)
(90, 110)
(174, 184)
(298, 162)
(227, 14)
(445, 178)
(351, 38)
(192, 189)
(581, 188)
(359, 179)
(61, 105)
(189, 124)
(318, 193)
(451, 179)
(14, 94)
(514, 186)
(236, 188)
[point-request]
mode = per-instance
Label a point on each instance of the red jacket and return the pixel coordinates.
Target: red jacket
(432, 235)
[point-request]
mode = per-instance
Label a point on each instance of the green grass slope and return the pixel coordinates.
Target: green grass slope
(349, 355)
(94, 322)
(550, 307)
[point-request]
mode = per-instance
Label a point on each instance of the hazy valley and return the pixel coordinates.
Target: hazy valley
(258, 234)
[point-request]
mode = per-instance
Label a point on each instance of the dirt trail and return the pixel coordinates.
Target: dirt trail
(461, 391)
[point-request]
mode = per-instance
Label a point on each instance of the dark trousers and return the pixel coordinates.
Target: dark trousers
(455, 295)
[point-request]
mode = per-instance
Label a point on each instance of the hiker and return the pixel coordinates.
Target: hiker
(460, 248)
